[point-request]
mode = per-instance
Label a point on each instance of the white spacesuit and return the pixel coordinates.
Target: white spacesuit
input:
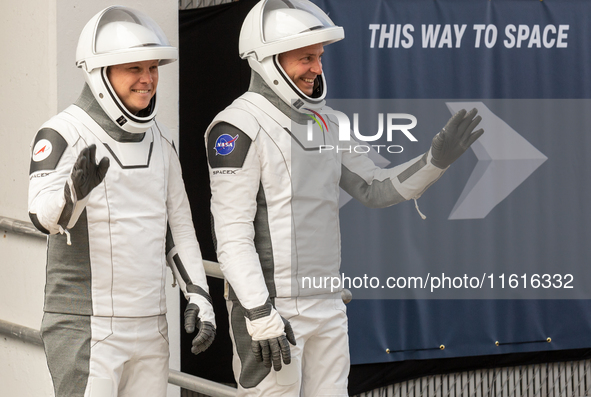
(114, 225)
(275, 203)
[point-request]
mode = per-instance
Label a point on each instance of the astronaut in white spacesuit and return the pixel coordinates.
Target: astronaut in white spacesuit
(114, 225)
(275, 204)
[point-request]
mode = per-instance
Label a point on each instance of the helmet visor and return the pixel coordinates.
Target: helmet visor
(121, 28)
(282, 19)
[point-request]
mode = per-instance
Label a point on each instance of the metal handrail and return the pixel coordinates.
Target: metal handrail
(25, 334)
(200, 385)
(177, 378)
(16, 226)
(212, 269)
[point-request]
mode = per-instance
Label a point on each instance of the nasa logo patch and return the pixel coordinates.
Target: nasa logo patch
(225, 144)
(42, 150)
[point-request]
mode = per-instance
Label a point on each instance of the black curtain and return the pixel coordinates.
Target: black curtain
(212, 75)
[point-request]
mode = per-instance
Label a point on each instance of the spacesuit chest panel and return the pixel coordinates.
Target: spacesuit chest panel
(314, 192)
(126, 223)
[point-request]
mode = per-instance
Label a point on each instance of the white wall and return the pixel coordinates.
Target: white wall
(38, 78)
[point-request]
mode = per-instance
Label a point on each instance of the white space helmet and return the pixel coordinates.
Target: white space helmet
(273, 27)
(114, 36)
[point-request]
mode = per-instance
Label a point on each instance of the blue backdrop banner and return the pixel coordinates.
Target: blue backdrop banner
(500, 264)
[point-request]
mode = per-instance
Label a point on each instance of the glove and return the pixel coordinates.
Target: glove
(270, 336)
(86, 173)
(85, 176)
(205, 329)
(455, 138)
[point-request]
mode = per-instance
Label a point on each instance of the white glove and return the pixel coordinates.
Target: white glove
(199, 314)
(270, 335)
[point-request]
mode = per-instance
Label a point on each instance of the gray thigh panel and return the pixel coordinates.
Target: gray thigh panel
(66, 339)
(252, 372)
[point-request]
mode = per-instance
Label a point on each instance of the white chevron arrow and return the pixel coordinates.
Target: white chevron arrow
(505, 160)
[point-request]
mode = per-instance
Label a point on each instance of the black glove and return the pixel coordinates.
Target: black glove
(87, 174)
(455, 138)
(206, 330)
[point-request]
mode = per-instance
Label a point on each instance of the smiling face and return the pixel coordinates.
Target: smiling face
(134, 83)
(303, 65)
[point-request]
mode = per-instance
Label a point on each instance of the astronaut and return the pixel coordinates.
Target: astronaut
(115, 224)
(275, 203)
